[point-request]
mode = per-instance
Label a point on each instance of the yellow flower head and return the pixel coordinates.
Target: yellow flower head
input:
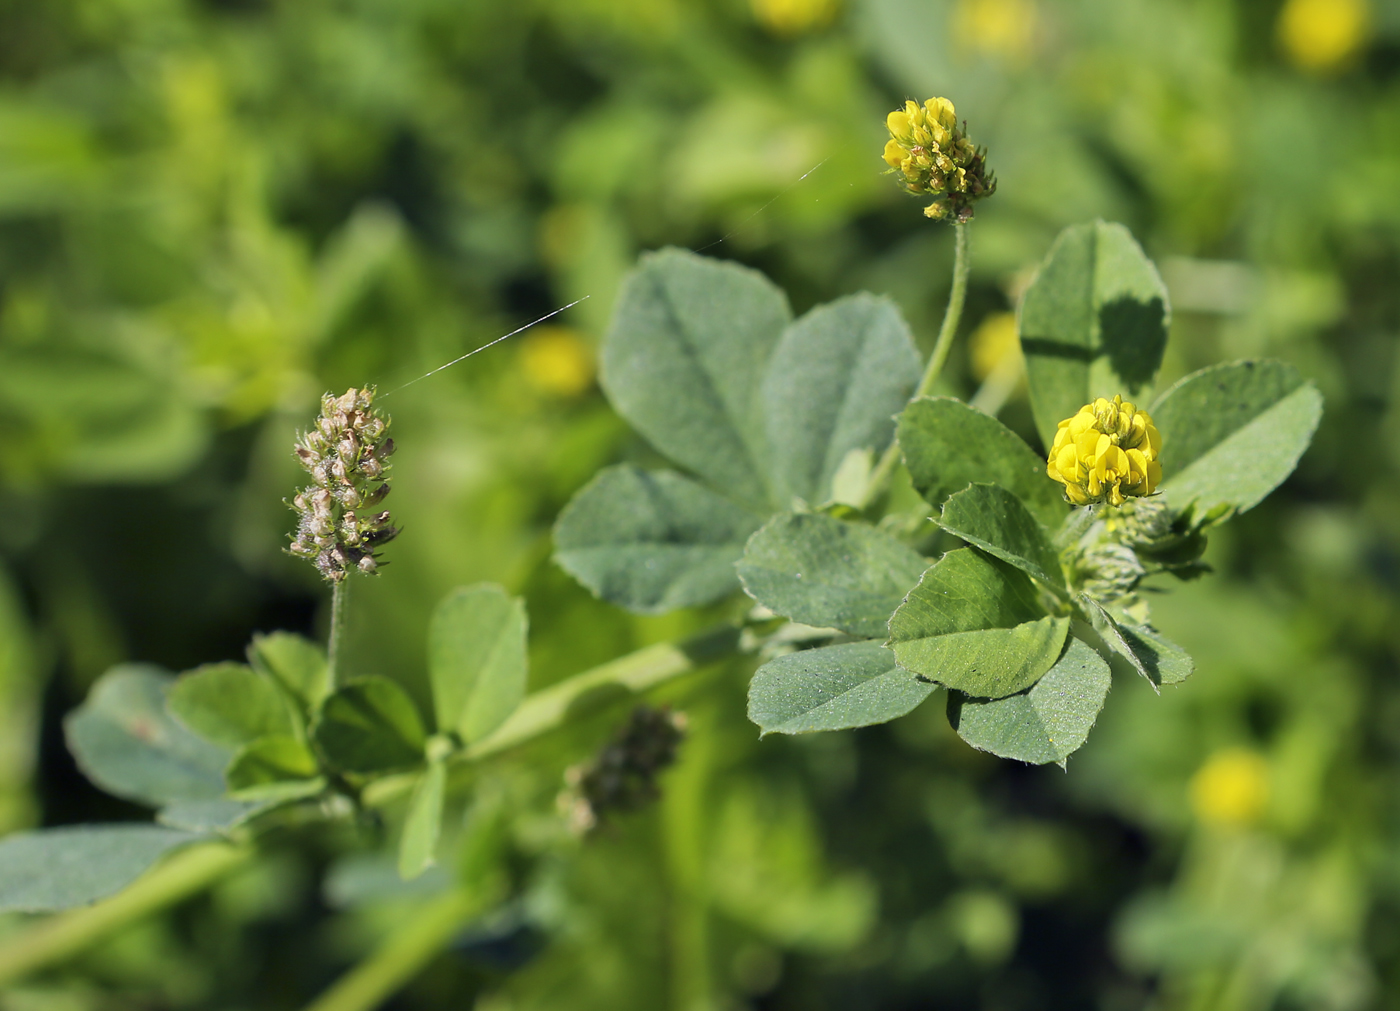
(1231, 788)
(793, 17)
(1105, 453)
(1323, 35)
(932, 156)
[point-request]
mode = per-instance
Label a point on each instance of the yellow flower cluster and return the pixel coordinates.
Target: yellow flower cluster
(1106, 452)
(933, 157)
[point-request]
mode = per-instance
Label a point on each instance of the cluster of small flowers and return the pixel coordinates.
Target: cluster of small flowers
(346, 455)
(932, 156)
(1106, 452)
(623, 775)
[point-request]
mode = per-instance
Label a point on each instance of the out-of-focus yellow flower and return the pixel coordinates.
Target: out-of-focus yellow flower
(932, 156)
(1105, 453)
(993, 343)
(1322, 35)
(1231, 788)
(557, 361)
(1002, 28)
(793, 17)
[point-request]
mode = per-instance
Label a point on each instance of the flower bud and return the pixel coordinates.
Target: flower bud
(1105, 453)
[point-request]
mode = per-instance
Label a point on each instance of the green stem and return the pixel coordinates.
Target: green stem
(405, 953)
(55, 939)
(340, 595)
(551, 707)
(952, 315)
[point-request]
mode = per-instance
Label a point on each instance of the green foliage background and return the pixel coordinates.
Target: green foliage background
(212, 211)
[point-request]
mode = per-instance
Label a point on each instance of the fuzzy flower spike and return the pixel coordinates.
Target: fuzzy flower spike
(932, 156)
(1106, 452)
(346, 454)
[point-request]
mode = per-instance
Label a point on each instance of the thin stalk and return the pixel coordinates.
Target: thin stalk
(952, 315)
(57, 938)
(406, 952)
(340, 596)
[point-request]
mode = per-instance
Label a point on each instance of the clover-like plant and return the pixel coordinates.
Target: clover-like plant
(776, 426)
(785, 435)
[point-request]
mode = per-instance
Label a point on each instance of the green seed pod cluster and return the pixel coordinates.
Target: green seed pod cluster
(346, 454)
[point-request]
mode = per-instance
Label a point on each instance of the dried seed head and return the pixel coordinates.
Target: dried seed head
(344, 455)
(623, 776)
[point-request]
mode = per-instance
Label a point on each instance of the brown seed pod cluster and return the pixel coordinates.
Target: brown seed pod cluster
(622, 777)
(346, 454)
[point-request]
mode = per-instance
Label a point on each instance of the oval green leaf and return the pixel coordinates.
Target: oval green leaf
(423, 825)
(297, 664)
(1044, 724)
(652, 541)
(855, 684)
(370, 726)
(949, 445)
(279, 765)
(690, 339)
(973, 624)
(124, 741)
(1232, 433)
(229, 704)
(822, 571)
(836, 380)
(991, 518)
(476, 659)
(59, 868)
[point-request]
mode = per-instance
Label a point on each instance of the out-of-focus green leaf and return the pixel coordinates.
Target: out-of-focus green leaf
(89, 417)
(19, 717)
(418, 844)
(991, 518)
(652, 541)
(219, 815)
(276, 766)
(973, 624)
(60, 868)
(1045, 723)
(297, 664)
(682, 362)
(47, 159)
(834, 384)
(125, 742)
(826, 572)
(476, 659)
(948, 445)
(1093, 323)
(766, 870)
(1231, 433)
(229, 704)
(370, 726)
(855, 684)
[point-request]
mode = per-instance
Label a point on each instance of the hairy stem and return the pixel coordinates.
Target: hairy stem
(405, 953)
(340, 595)
(952, 315)
(54, 939)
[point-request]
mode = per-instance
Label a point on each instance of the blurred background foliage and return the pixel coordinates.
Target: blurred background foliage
(213, 210)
